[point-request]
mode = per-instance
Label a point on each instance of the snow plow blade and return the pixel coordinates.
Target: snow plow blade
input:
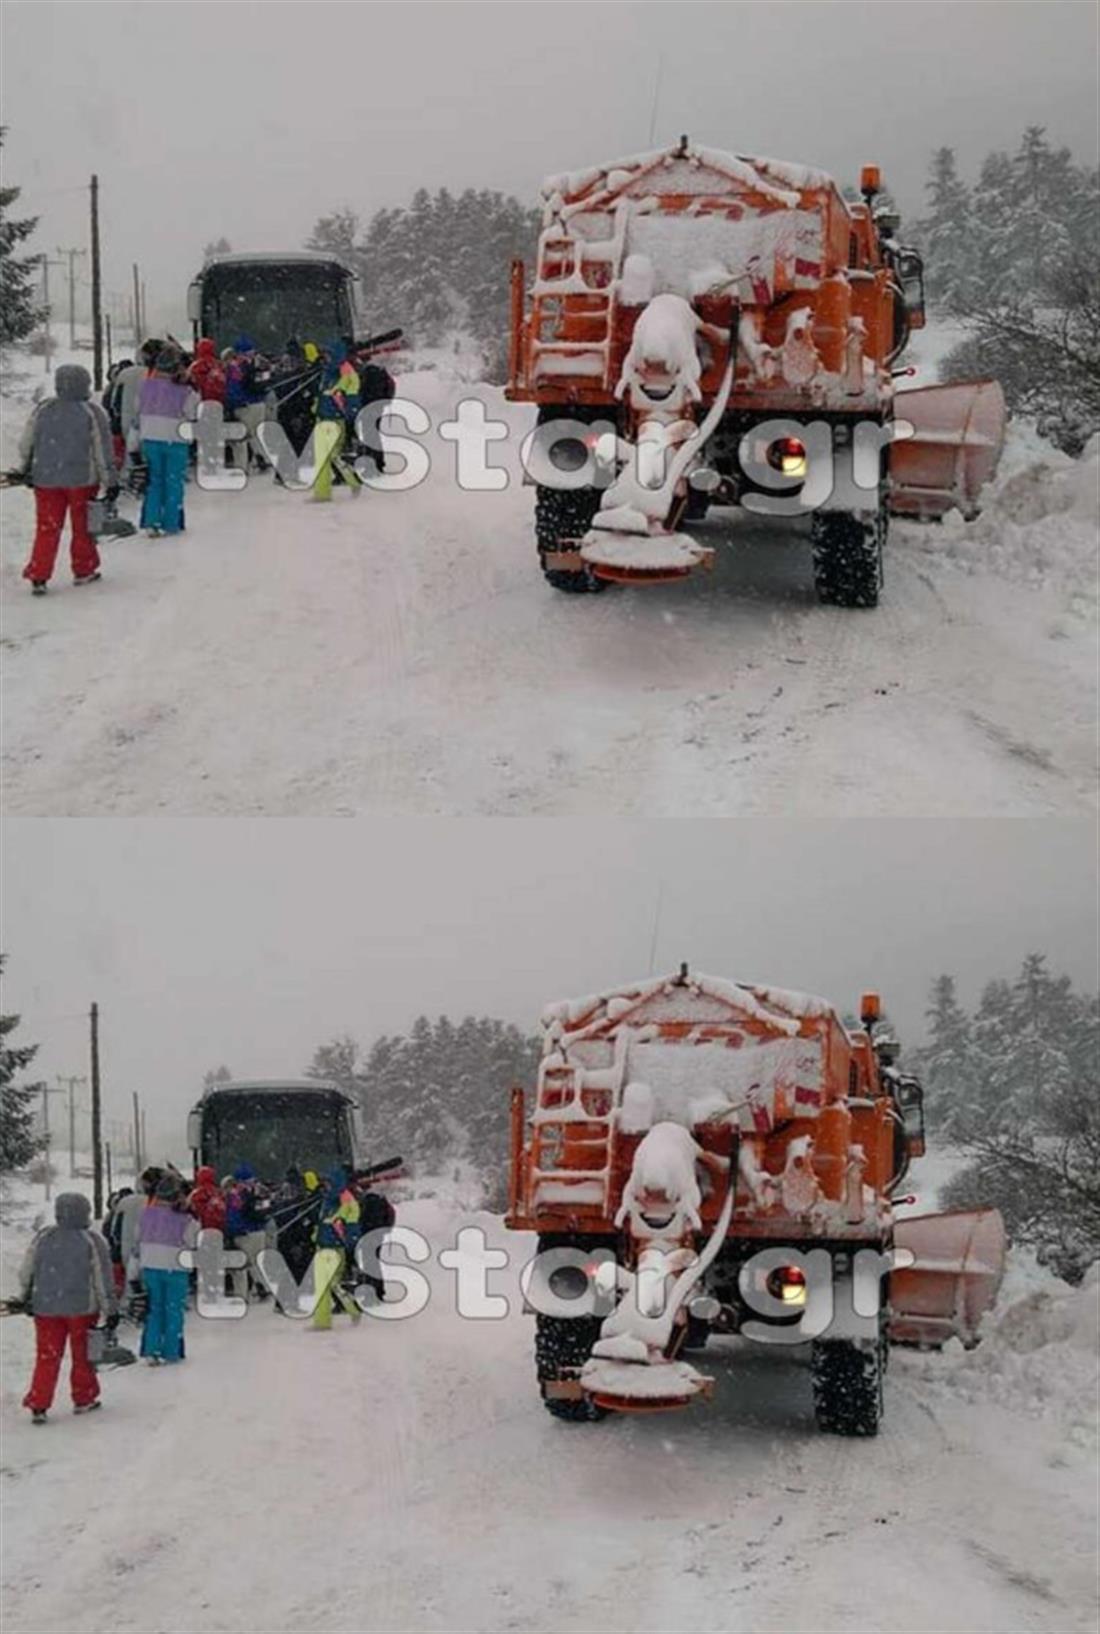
(954, 1279)
(958, 434)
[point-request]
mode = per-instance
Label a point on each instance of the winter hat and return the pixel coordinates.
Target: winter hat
(150, 1178)
(205, 348)
(244, 1171)
(72, 382)
(244, 343)
(168, 1188)
(204, 1176)
(72, 1209)
(310, 352)
(167, 362)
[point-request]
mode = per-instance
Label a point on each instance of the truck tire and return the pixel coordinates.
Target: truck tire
(562, 517)
(847, 552)
(562, 1346)
(847, 1386)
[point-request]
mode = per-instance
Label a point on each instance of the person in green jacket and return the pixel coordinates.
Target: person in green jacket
(338, 1233)
(337, 405)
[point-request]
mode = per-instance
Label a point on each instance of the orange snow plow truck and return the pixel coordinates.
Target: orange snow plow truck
(705, 328)
(711, 1158)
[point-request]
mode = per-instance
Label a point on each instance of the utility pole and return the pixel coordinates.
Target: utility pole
(144, 314)
(97, 1115)
(107, 1154)
(72, 1083)
(46, 1093)
(46, 265)
(137, 311)
(72, 255)
(97, 319)
(107, 321)
(138, 1165)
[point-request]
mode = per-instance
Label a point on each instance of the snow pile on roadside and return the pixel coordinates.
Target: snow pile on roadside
(1038, 1353)
(1038, 524)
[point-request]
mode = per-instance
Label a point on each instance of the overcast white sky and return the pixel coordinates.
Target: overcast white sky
(250, 942)
(253, 119)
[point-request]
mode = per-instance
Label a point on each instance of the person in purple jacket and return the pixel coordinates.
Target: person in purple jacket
(163, 1229)
(165, 401)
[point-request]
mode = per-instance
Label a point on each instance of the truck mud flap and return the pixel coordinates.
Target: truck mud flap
(958, 435)
(954, 1280)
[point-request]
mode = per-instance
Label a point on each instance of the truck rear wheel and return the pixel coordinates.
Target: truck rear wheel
(562, 518)
(847, 1385)
(562, 1346)
(847, 550)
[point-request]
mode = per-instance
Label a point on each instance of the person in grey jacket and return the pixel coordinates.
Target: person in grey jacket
(66, 1284)
(66, 454)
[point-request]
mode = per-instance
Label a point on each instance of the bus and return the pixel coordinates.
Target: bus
(272, 296)
(273, 1124)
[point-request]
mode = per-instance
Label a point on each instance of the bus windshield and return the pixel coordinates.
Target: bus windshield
(271, 1131)
(272, 301)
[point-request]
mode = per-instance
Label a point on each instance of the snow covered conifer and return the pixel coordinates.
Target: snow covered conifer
(19, 1141)
(948, 1064)
(19, 313)
(946, 233)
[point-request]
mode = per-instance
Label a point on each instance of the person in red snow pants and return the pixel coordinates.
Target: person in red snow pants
(51, 1334)
(52, 505)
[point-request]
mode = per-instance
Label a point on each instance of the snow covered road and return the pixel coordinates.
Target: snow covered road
(404, 1477)
(401, 654)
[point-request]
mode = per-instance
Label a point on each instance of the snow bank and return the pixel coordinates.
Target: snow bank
(1038, 524)
(1038, 1352)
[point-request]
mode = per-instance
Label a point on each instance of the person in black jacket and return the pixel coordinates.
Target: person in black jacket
(376, 1213)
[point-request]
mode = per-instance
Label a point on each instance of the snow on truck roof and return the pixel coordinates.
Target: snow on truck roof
(776, 178)
(275, 1086)
(315, 257)
(776, 1007)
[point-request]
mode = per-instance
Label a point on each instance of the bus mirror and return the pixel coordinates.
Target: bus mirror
(194, 1130)
(194, 303)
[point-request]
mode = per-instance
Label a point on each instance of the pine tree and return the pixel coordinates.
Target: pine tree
(1033, 304)
(439, 266)
(948, 1063)
(336, 235)
(946, 234)
(19, 1142)
(19, 314)
(438, 1095)
(217, 246)
(1032, 1132)
(216, 1076)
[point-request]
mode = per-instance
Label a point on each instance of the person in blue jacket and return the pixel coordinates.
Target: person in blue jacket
(247, 384)
(245, 1227)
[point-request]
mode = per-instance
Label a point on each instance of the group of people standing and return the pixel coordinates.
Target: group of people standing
(73, 448)
(74, 1277)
